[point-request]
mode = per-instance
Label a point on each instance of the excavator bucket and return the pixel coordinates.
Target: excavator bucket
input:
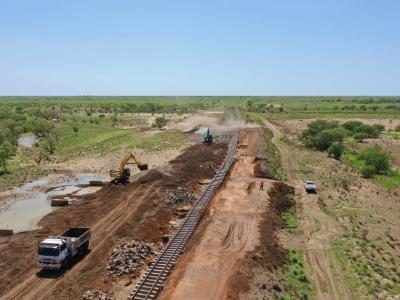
(143, 167)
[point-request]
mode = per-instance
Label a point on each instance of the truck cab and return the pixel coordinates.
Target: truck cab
(52, 254)
(57, 251)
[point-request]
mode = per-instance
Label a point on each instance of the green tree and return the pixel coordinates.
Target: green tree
(316, 127)
(75, 129)
(369, 130)
(368, 171)
(41, 127)
(41, 153)
(377, 158)
(160, 122)
(352, 125)
(379, 127)
(360, 136)
(6, 151)
(323, 140)
(336, 150)
(49, 142)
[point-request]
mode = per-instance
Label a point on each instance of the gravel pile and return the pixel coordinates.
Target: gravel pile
(219, 152)
(209, 165)
(179, 196)
(96, 295)
(223, 138)
(128, 257)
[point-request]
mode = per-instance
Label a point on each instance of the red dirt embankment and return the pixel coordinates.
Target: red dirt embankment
(236, 234)
(114, 214)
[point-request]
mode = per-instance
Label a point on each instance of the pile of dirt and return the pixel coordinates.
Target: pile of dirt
(201, 160)
(281, 197)
(128, 257)
(179, 196)
(96, 295)
(153, 175)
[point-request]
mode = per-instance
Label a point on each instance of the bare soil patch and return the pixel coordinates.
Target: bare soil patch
(236, 234)
(115, 214)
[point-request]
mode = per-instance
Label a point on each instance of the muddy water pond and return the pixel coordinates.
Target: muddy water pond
(27, 140)
(31, 201)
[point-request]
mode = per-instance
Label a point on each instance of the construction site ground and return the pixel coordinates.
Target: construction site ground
(114, 214)
(237, 233)
(348, 232)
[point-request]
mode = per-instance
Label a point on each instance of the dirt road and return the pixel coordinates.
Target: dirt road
(212, 267)
(318, 229)
(114, 214)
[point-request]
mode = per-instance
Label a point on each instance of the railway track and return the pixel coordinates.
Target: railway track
(152, 281)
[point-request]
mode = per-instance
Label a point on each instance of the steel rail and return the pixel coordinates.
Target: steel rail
(152, 281)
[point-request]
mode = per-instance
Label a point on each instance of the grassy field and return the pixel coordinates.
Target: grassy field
(391, 180)
(101, 138)
(74, 128)
(297, 277)
(325, 107)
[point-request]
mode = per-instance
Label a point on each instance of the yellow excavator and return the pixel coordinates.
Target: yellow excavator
(122, 174)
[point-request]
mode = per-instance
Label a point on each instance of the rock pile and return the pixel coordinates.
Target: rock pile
(178, 196)
(128, 257)
(96, 295)
(209, 165)
(223, 138)
(219, 152)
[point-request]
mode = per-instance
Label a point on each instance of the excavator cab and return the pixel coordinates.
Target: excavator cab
(123, 174)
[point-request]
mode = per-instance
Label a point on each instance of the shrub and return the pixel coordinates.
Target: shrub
(370, 131)
(352, 125)
(41, 127)
(318, 126)
(160, 122)
(323, 140)
(360, 136)
(397, 129)
(368, 171)
(6, 151)
(336, 150)
(377, 158)
(379, 127)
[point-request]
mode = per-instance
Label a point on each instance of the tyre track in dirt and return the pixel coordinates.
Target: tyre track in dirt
(41, 288)
(229, 231)
(116, 213)
(318, 228)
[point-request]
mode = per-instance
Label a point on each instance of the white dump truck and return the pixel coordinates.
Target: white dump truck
(55, 252)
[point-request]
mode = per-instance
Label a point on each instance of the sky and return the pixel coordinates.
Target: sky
(220, 47)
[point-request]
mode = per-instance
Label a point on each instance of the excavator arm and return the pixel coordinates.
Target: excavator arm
(121, 174)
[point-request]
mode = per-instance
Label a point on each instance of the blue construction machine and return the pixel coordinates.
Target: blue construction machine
(208, 138)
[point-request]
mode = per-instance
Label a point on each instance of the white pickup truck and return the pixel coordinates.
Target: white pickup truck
(310, 186)
(56, 252)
